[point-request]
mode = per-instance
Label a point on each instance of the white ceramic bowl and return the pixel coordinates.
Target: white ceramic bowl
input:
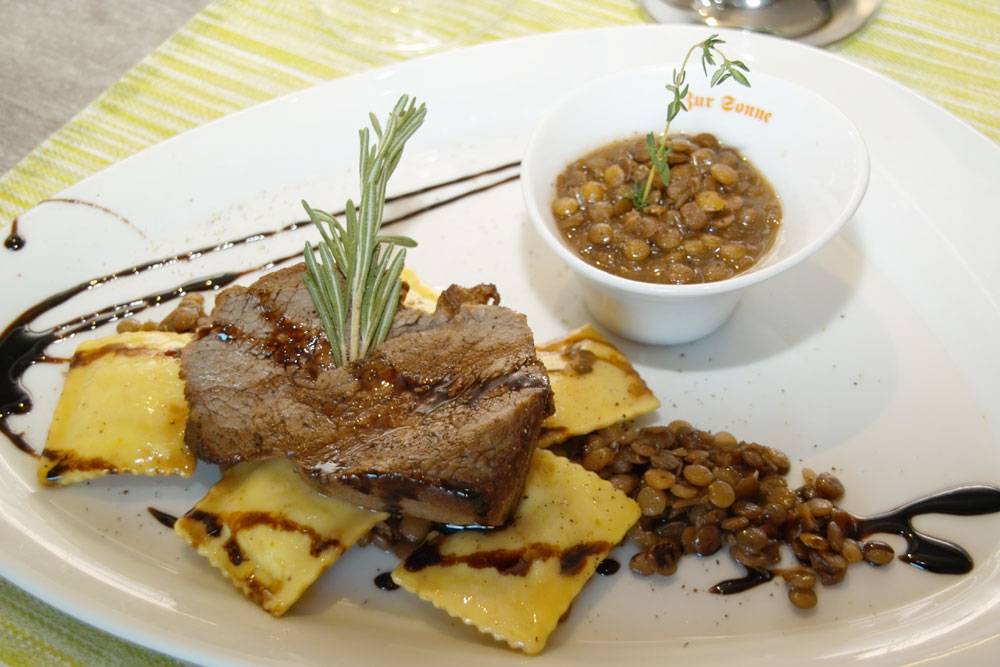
(811, 153)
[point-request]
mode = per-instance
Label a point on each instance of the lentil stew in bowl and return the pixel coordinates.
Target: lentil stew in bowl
(716, 218)
(807, 149)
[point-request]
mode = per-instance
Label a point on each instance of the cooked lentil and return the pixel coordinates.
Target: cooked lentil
(717, 217)
(186, 317)
(700, 492)
(878, 553)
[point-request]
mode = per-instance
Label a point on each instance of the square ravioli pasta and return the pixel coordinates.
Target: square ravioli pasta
(594, 386)
(516, 582)
(122, 411)
(270, 532)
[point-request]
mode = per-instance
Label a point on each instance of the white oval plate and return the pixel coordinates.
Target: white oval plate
(877, 357)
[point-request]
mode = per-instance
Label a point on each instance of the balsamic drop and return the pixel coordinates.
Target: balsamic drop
(608, 566)
(14, 241)
(752, 579)
(384, 582)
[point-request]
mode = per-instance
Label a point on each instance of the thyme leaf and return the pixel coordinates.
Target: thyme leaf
(658, 151)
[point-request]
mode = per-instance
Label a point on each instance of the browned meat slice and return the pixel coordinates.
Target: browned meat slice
(439, 423)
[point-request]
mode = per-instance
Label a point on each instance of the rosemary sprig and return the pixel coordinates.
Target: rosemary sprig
(354, 283)
(658, 152)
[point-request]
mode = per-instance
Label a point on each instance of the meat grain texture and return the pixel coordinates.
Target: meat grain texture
(439, 423)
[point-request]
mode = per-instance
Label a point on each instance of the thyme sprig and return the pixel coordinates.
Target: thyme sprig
(660, 151)
(354, 282)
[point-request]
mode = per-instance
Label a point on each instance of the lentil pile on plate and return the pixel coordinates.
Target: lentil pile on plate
(716, 218)
(700, 492)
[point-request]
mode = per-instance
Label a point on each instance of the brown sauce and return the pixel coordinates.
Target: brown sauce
(86, 357)
(240, 521)
(164, 518)
(516, 562)
(46, 359)
(288, 344)
(21, 346)
(717, 217)
(213, 528)
(65, 462)
(579, 360)
(233, 551)
(384, 582)
(570, 349)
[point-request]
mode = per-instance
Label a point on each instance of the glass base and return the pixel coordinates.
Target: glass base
(816, 22)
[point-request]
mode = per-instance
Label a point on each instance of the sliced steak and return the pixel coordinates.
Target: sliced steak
(439, 423)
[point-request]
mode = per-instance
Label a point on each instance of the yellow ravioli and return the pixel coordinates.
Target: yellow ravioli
(515, 583)
(270, 532)
(594, 386)
(420, 296)
(122, 410)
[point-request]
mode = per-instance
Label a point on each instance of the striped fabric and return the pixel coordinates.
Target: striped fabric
(949, 50)
(236, 53)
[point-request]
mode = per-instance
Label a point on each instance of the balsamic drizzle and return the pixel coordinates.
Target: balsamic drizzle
(923, 551)
(15, 242)
(21, 347)
(753, 578)
(98, 207)
(16, 439)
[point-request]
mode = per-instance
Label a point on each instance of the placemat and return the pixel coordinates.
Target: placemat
(237, 53)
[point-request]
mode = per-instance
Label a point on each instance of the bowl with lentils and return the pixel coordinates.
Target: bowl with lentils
(759, 179)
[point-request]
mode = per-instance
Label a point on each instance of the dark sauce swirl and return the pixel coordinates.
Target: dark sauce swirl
(926, 552)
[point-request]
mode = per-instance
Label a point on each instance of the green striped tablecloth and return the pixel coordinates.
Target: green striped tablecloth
(236, 53)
